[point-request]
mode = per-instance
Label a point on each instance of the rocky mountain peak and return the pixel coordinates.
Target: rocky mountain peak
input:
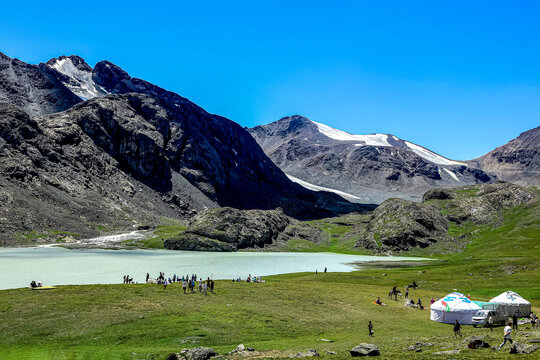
(371, 167)
(77, 61)
(76, 75)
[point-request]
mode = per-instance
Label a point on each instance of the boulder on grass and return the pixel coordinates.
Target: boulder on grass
(478, 344)
(365, 350)
(198, 353)
(523, 349)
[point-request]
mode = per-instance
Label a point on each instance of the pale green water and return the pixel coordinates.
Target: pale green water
(59, 266)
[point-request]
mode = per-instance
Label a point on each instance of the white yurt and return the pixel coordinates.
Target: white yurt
(454, 306)
(515, 303)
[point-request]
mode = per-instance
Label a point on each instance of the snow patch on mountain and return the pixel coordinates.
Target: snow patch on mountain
(431, 156)
(80, 81)
(451, 173)
(335, 134)
(314, 187)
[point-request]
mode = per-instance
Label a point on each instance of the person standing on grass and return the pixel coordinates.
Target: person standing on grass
(212, 286)
(514, 322)
(147, 277)
(370, 328)
(457, 329)
(490, 322)
(325, 269)
(184, 285)
(407, 293)
(165, 284)
(205, 287)
(507, 335)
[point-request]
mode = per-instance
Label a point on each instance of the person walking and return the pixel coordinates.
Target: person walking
(325, 269)
(407, 293)
(165, 284)
(370, 329)
(514, 322)
(507, 334)
(184, 285)
(147, 277)
(490, 322)
(457, 329)
(212, 286)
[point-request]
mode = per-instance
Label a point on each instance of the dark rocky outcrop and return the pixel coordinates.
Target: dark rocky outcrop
(483, 204)
(517, 161)
(372, 171)
(400, 225)
(228, 229)
(365, 350)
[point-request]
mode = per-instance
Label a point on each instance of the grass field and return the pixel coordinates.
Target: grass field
(288, 314)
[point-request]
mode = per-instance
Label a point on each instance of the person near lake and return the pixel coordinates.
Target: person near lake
(200, 284)
(507, 335)
(205, 288)
(147, 277)
(316, 271)
(370, 329)
(457, 329)
(165, 284)
(514, 322)
(212, 286)
(184, 285)
(325, 269)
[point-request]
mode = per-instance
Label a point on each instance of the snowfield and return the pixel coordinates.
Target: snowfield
(314, 187)
(382, 140)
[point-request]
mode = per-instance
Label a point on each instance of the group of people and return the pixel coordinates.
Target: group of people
(204, 285)
(128, 280)
(35, 284)
(250, 279)
(189, 283)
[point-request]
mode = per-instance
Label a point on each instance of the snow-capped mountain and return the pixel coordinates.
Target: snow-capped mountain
(370, 168)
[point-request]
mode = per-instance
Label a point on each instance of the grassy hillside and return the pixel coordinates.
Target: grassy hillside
(289, 313)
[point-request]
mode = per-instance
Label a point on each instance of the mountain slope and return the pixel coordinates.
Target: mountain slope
(34, 88)
(517, 161)
(133, 153)
(370, 167)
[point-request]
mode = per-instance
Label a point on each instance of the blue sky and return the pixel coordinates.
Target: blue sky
(457, 77)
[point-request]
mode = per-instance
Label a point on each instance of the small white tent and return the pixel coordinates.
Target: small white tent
(454, 306)
(515, 303)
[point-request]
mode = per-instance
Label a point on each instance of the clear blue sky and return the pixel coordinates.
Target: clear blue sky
(457, 77)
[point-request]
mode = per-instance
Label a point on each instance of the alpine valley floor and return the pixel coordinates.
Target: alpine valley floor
(288, 314)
